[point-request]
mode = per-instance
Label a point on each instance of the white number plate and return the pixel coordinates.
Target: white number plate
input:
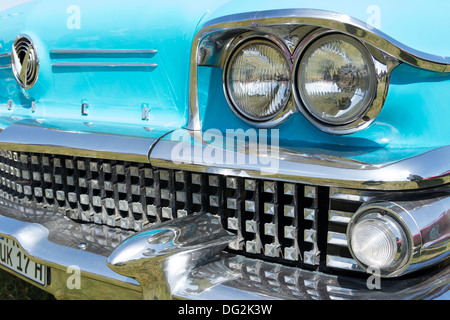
(13, 257)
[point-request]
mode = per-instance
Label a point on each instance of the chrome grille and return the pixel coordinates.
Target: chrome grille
(291, 223)
(343, 204)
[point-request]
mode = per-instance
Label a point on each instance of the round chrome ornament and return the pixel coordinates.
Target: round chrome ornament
(379, 240)
(24, 62)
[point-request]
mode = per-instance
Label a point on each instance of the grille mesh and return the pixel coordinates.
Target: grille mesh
(276, 221)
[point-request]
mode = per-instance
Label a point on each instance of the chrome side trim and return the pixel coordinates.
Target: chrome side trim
(407, 174)
(103, 51)
(305, 17)
(29, 138)
(103, 64)
(7, 58)
(106, 53)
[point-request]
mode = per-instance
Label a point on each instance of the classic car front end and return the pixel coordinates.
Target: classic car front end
(225, 150)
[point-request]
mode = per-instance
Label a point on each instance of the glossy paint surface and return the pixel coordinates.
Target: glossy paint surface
(416, 24)
(113, 94)
(412, 121)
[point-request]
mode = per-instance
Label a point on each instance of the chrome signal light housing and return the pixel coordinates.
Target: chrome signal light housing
(394, 238)
(379, 242)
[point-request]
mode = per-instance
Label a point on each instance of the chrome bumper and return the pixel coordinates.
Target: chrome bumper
(183, 260)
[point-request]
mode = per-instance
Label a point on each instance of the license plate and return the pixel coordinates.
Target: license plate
(14, 258)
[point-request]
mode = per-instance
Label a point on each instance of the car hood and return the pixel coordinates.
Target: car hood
(169, 28)
(418, 25)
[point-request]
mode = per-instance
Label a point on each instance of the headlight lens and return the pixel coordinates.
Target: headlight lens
(336, 79)
(378, 241)
(259, 83)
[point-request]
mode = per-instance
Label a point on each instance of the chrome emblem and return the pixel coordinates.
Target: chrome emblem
(24, 62)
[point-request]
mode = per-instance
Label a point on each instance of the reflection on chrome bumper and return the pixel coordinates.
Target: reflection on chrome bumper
(54, 240)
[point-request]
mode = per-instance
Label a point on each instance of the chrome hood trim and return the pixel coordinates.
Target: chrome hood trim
(332, 20)
(161, 151)
(34, 138)
(332, 171)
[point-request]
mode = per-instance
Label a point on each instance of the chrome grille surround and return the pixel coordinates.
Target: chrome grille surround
(289, 223)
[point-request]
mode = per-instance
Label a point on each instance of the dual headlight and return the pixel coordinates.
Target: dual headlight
(333, 78)
(259, 80)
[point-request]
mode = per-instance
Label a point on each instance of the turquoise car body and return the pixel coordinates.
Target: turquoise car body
(412, 121)
(146, 95)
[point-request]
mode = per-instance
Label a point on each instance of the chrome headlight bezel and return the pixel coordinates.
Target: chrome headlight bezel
(233, 49)
(380, 68)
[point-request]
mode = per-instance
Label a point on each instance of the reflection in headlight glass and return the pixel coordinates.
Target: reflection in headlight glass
(259, 80)
(336, 79)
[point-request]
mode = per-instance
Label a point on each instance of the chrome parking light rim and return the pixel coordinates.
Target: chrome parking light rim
(403, 248)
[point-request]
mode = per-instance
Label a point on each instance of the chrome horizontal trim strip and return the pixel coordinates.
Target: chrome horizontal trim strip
(287, 165)
(340, 216)
(337, 292)
(103, 51)
(103, 64)
(54, 241)
(348, 195)
(28, 138)
(5, 55)
(5, 66)
(343, 263)
(338, 239)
